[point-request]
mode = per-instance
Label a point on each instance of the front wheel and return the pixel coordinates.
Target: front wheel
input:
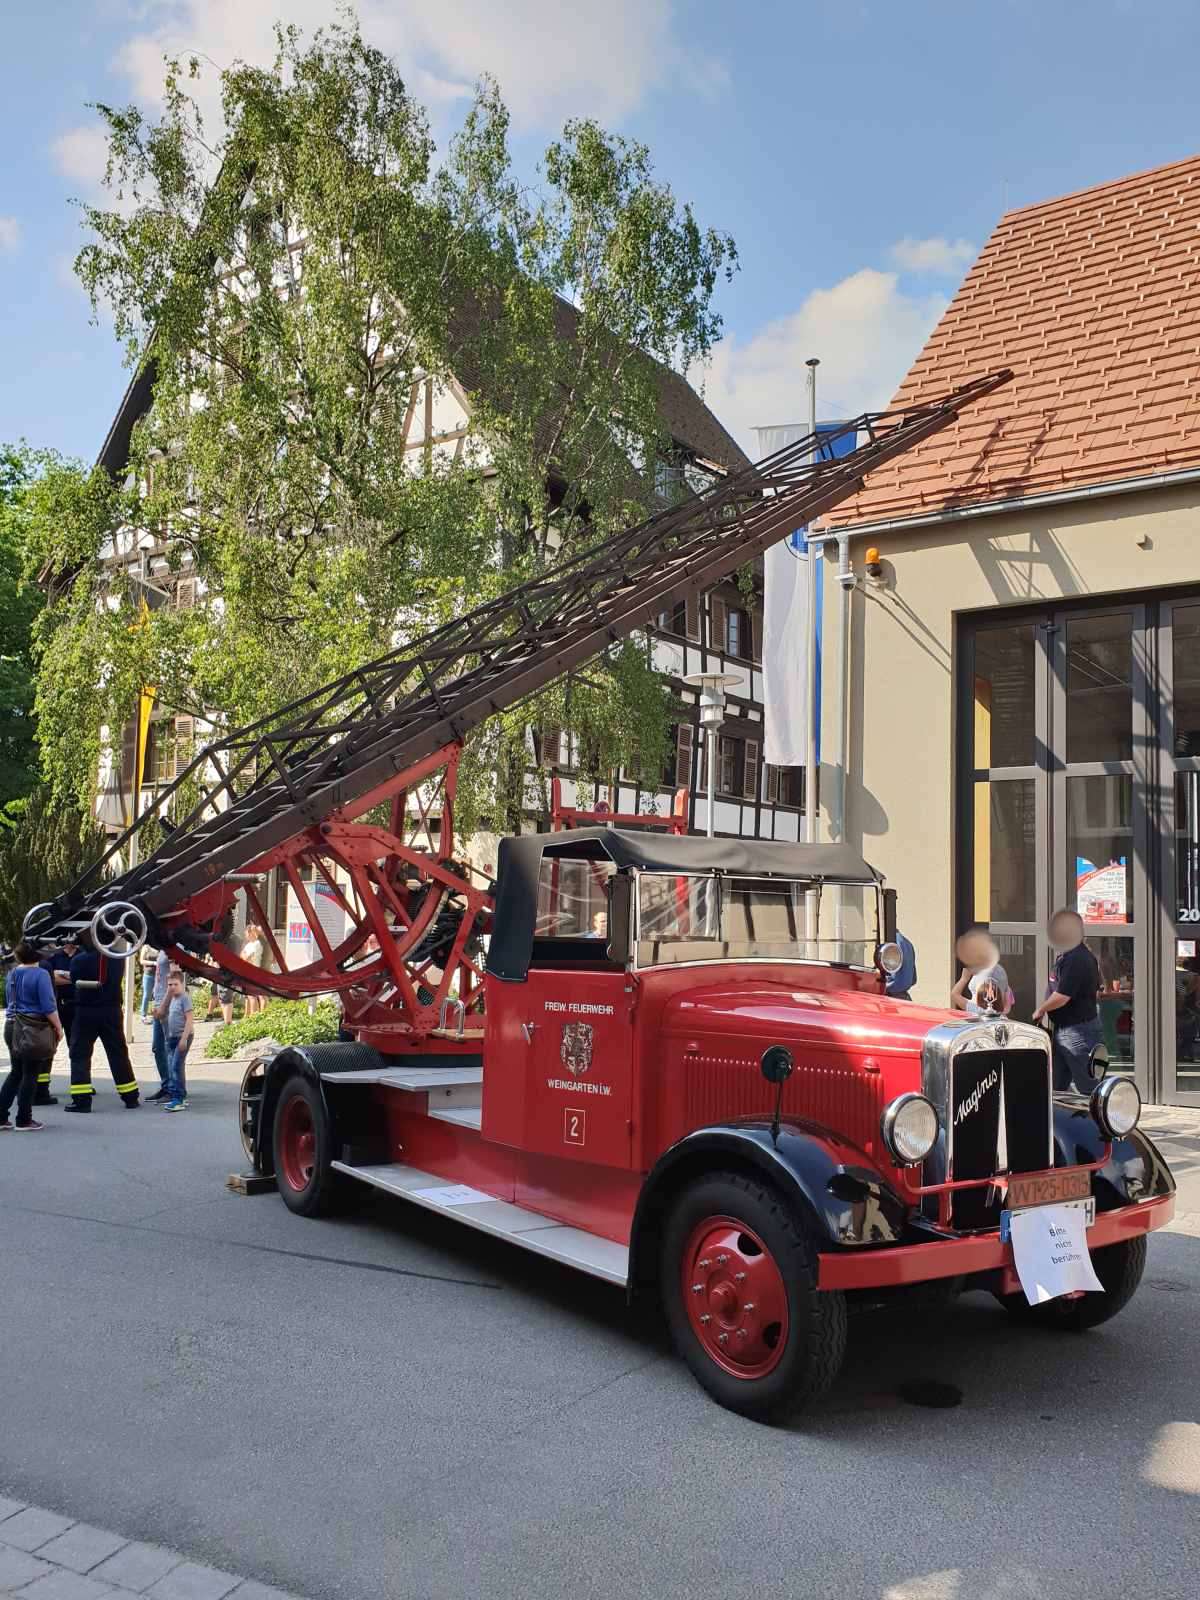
(301, 1145)
(1118, 1266)
(739, 1292)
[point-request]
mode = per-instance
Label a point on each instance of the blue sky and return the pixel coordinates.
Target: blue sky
(857, 152)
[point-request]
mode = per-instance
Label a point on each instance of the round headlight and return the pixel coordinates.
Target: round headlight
(909, 1127)
(891, 958)
(1116, 1107)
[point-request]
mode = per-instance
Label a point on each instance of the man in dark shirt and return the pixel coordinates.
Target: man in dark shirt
(58, 961)
(1071, 1005)
(97, 981)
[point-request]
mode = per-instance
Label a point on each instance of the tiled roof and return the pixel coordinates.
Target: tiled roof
(1094, 301)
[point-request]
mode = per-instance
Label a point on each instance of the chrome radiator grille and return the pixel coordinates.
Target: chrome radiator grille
(990, 1082)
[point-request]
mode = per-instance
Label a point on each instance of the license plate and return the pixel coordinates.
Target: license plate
(1048, 1188)
(1087, 1206)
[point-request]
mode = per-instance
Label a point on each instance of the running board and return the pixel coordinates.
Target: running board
(601, 1258)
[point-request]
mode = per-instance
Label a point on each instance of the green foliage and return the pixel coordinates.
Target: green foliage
(295, 280)
(285, 1021)
(20, 603)
(45, 847)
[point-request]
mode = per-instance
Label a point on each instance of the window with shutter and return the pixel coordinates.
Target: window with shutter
(716, 623)
(551, 745)
(683, 755)
(185, 594)
(692, 618)
(772, 785)
(750, 771)
(756, 635)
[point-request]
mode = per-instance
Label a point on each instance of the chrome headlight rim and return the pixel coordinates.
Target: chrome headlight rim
(1112, 1122)
(890, 958)
(891, 1128)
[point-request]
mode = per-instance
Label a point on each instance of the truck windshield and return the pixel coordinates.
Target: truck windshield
(715, 918)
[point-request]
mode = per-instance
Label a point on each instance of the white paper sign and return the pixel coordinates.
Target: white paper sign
(1051, 1254)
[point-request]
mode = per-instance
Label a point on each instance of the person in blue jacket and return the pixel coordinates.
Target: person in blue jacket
(28, 991)
(900, 982)
(97, 981)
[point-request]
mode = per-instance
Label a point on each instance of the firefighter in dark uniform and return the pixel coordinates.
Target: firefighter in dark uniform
(97, 983)
(57, 964)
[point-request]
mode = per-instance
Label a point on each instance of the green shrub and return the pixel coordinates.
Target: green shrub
(288, 1021)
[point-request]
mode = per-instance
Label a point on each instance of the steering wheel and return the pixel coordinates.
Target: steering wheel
(118, 923)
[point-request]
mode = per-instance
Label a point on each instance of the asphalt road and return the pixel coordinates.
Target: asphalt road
(387, 1407)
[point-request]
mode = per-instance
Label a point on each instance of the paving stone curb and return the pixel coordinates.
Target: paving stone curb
(47, 1557)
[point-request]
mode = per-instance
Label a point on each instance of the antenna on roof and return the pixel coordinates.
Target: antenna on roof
(1006, 194)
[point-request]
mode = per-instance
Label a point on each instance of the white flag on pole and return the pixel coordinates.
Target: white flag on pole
(785, 655)
(785, 633)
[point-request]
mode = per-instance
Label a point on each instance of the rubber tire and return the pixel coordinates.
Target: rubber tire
(816, 1337)
(1118, 1266)
(324, 1192)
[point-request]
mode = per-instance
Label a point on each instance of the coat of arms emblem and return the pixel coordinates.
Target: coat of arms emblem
(576, 1048)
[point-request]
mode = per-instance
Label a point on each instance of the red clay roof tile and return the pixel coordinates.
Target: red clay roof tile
(1093, 300)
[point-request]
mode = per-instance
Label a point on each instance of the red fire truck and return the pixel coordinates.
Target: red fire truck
(715, 1105)
(675, 1067)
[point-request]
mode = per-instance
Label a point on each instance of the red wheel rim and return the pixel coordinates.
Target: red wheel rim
(297, 1143)
(735, 1297)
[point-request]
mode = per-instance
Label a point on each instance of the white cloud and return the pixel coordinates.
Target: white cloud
(938, 256)
(81, 154)
(10, 233)
(552, 58)
(865, 333)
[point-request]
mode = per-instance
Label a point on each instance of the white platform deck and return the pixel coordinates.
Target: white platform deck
(601, 1258)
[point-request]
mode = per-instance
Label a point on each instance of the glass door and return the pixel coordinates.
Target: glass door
(1100, 743)
(1180, 746)
(1008, 866)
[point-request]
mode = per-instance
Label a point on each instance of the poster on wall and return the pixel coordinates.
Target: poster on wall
(1100, 891)
(299, 934)
(301, 948)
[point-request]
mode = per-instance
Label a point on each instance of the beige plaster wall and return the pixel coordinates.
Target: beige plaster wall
(899, 783)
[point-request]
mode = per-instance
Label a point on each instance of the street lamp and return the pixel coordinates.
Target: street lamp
(712, 687)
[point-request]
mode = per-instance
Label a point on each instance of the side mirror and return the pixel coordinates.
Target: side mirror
(778, 1063)
(1098, 1062)
(620, 917)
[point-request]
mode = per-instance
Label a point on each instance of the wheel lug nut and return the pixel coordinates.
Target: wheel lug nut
(722, 1338)
(739, 1277)
(749, 1306)
(721, 1260)
(697, 1288)
(742, 1334)
(705, 1319)
(704, 1266)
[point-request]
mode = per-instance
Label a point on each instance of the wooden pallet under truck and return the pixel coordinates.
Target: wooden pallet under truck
(664, 1060)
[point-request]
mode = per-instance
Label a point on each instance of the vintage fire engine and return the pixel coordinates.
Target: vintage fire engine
(675, 1067)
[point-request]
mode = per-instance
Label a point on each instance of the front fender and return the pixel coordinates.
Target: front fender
(838, 1193)
(1135, 1172)
(310, 1061)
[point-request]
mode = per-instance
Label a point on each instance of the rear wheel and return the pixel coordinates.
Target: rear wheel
(739, 1291)
(301, 1145)
(1118, 1266)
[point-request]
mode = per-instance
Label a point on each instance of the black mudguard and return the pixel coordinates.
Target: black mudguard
(838, 1193)
(1135, 1172)
(343, 1103)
